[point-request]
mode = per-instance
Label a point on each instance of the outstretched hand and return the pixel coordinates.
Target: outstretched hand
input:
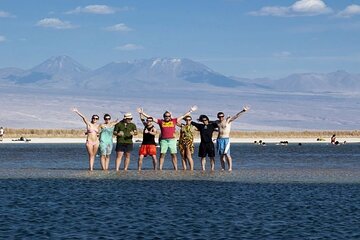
(140, 110)
(246, 108)
(74, 109)
(193, 108)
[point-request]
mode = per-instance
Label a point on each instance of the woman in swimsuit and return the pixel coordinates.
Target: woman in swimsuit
(92, 140)
(186, 143)
(106, 141)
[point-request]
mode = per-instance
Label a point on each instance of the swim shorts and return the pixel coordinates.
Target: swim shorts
(223, 145)
(147, 149)
(206, 149)
(123, 147)
(166, 144)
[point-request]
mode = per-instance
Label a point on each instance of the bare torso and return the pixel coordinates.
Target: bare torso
(224, 128)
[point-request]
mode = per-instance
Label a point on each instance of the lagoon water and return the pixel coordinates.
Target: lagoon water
(275, 192)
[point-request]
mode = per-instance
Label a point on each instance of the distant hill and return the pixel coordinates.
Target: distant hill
(339, 81)
(173, 73)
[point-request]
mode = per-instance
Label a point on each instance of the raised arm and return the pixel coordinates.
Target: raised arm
(81, 115)
(113, 123)
(141, 112)
(245, 108)
(143, 119)
(192, 109)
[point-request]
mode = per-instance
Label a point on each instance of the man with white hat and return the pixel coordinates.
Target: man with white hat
(124, 132)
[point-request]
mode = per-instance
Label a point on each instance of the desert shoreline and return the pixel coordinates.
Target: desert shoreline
(273, 140)
(236, 136)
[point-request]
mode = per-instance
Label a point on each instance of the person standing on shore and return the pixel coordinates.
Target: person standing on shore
(333, 139)
(223, 140)
(92, 139)
(148, 145)
(106, 141)
(1, 133)
(186, 143)
(206, 148)
(168, 128)
(124, 132)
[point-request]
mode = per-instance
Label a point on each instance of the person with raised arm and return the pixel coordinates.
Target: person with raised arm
(124, 132)
(92, 139)
(206, 147)
(186, 143)
(168, 129)
(106, 140)
(223, 140)
(148, 145)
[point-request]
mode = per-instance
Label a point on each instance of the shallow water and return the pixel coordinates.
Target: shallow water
(275, 192)
(245, 156)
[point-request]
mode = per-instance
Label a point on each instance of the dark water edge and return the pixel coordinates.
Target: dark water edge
(118, 209)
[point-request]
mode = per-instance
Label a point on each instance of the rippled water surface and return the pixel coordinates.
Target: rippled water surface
(275, 192)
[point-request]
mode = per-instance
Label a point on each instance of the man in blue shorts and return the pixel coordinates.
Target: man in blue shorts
(223, 140)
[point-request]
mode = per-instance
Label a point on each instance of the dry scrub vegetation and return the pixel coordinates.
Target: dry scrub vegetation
(43, 133)
(76, 133)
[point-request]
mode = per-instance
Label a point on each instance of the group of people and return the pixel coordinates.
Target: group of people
(100, 137)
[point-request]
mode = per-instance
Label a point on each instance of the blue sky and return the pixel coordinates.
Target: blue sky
(244, 38)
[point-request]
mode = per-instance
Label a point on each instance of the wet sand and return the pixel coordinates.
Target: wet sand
(297, 175)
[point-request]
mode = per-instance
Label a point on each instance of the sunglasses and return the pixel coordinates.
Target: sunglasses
(107, 118)
(168, 116)
(95, 118)
(220, 116)
(188, 119)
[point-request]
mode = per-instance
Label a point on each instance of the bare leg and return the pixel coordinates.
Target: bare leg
(154, 161)
(190, 159)
(229, 161)
(222, 161)
(161, 160)
(140, 162)
(183, 159)
(174, 161)
(103, 162)
(92, 150)
(107, 161)
(127, 161)
(203, 162)
(212, 163)
(119, 156)
(91, 161)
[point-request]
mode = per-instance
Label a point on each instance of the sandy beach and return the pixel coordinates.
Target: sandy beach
(233, 140)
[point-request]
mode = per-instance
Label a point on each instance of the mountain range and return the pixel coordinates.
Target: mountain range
(42, 96)
(65, 73)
